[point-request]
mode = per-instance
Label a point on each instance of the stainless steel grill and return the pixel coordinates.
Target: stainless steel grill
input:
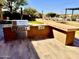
(19, 25)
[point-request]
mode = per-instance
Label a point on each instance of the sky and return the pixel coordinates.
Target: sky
(56, 6)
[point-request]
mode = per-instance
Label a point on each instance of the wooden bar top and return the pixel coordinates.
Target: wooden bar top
(60, 26)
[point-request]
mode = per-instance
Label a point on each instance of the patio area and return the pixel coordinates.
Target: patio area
(41, 49)
(47, 48)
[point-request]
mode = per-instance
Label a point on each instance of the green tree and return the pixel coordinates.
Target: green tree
(38, 15)
(30, 11)
(51, 14)
(13, 5)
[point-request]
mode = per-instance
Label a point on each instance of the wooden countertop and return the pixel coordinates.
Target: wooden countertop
(60, 26)
(10, 25)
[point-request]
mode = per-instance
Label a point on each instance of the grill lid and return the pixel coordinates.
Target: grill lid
(23, 23)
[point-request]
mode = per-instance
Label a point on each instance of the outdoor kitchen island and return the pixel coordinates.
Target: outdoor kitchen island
(17, 30)
(62, 32)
